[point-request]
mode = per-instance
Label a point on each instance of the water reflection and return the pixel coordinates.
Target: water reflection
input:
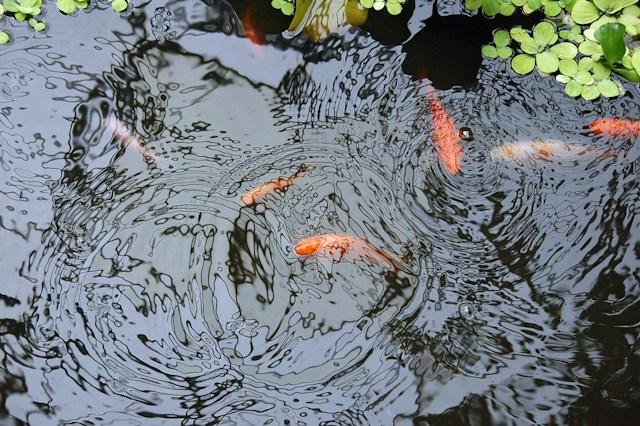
(156, 292)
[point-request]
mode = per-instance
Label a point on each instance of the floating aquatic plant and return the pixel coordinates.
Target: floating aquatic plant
(585, 57)
(286, 6)
(28, 10)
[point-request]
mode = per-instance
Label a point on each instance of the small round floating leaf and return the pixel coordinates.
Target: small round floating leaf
(563, 78)
(519, 34)
(507, 9)
(611, 38)
(378, 5)
(564, 50)
(573, 88)
(523, 63)
(38, 26)
(630, 22)
(471, 4)
(534, 4)
(4, 37)
(505, 52)
(585, 64)
(583, 77)
(11, 6)
(501, 38)
(119, 5)
(608, 88)
(491, 7)
(369, 3)
(547, 62)
(394, 8)
(584, 12)
(590, 92)
(287, 9)
(603, 5)
(589, 47)
(601, 71)
(1, 9)
(543, 32)
(519, 3)
(617, 5)
(489, 51)
(568, 67)
(530, 46)
(552, 9)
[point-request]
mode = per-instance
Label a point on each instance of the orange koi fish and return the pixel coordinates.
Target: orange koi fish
(616, 127)
(123, 134)
(445, 135)
(337, 247)
(255, 195)
(252, 33)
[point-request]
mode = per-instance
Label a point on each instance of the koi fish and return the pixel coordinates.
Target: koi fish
(445, 135)
(123, 134)
(548, 150)
(255, 195)
(252, 33)
(616, 127)
(337, 247)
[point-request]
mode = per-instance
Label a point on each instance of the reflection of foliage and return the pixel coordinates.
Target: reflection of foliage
(28, 10)
(586, 57)
(288, 7)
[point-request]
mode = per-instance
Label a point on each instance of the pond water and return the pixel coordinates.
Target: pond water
(143, 286)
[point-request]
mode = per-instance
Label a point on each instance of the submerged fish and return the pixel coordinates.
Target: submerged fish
(548, 150)
(617, 127)
(255, 195)
(339, 247)
(445, 135)
(127, 138)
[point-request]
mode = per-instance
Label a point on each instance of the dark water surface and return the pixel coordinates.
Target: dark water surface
(138, 289)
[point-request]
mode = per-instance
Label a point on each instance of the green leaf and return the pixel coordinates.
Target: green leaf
(603, 5)
(489, 51)
(519, 34)
(633, 11)
(4, 37)
(552, 9)
(523, 63)
(617, 5)
(534, 4)
(469, 4)
(501, 38)
(547, 62)
(563, 78)
(564, 50)
(66, 6)
(519, 3)
(490, 7)
(368, 4)
(38, 26)
(635, 61)
(611, 38)
(543, 33)
(287, 9)
(631, 23)
(584, 12)
(394, 8)
(1, 9)
(530, 46)
(601, 71)
(585, 64)
(568, 67)
(505, 52)
(573, 88)
(590, 92)
(11, 6)
(507, 9)
(583, 77)
(119, 5)
(608, 88)
(589, 47)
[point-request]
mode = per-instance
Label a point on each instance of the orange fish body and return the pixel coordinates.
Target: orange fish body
(339, 247)
(616, 127)
(445, 135)
(255, 195)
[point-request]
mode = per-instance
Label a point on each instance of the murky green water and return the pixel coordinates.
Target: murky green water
(140, 289)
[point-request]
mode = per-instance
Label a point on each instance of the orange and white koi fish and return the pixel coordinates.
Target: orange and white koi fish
(547, 150)
(339, 247)
(127, 138)
(445, 135)
(255, 195)
(616, 127)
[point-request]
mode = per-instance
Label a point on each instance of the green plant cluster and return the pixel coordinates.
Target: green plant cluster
(29, 10)
(583, 43)
(394, 7)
